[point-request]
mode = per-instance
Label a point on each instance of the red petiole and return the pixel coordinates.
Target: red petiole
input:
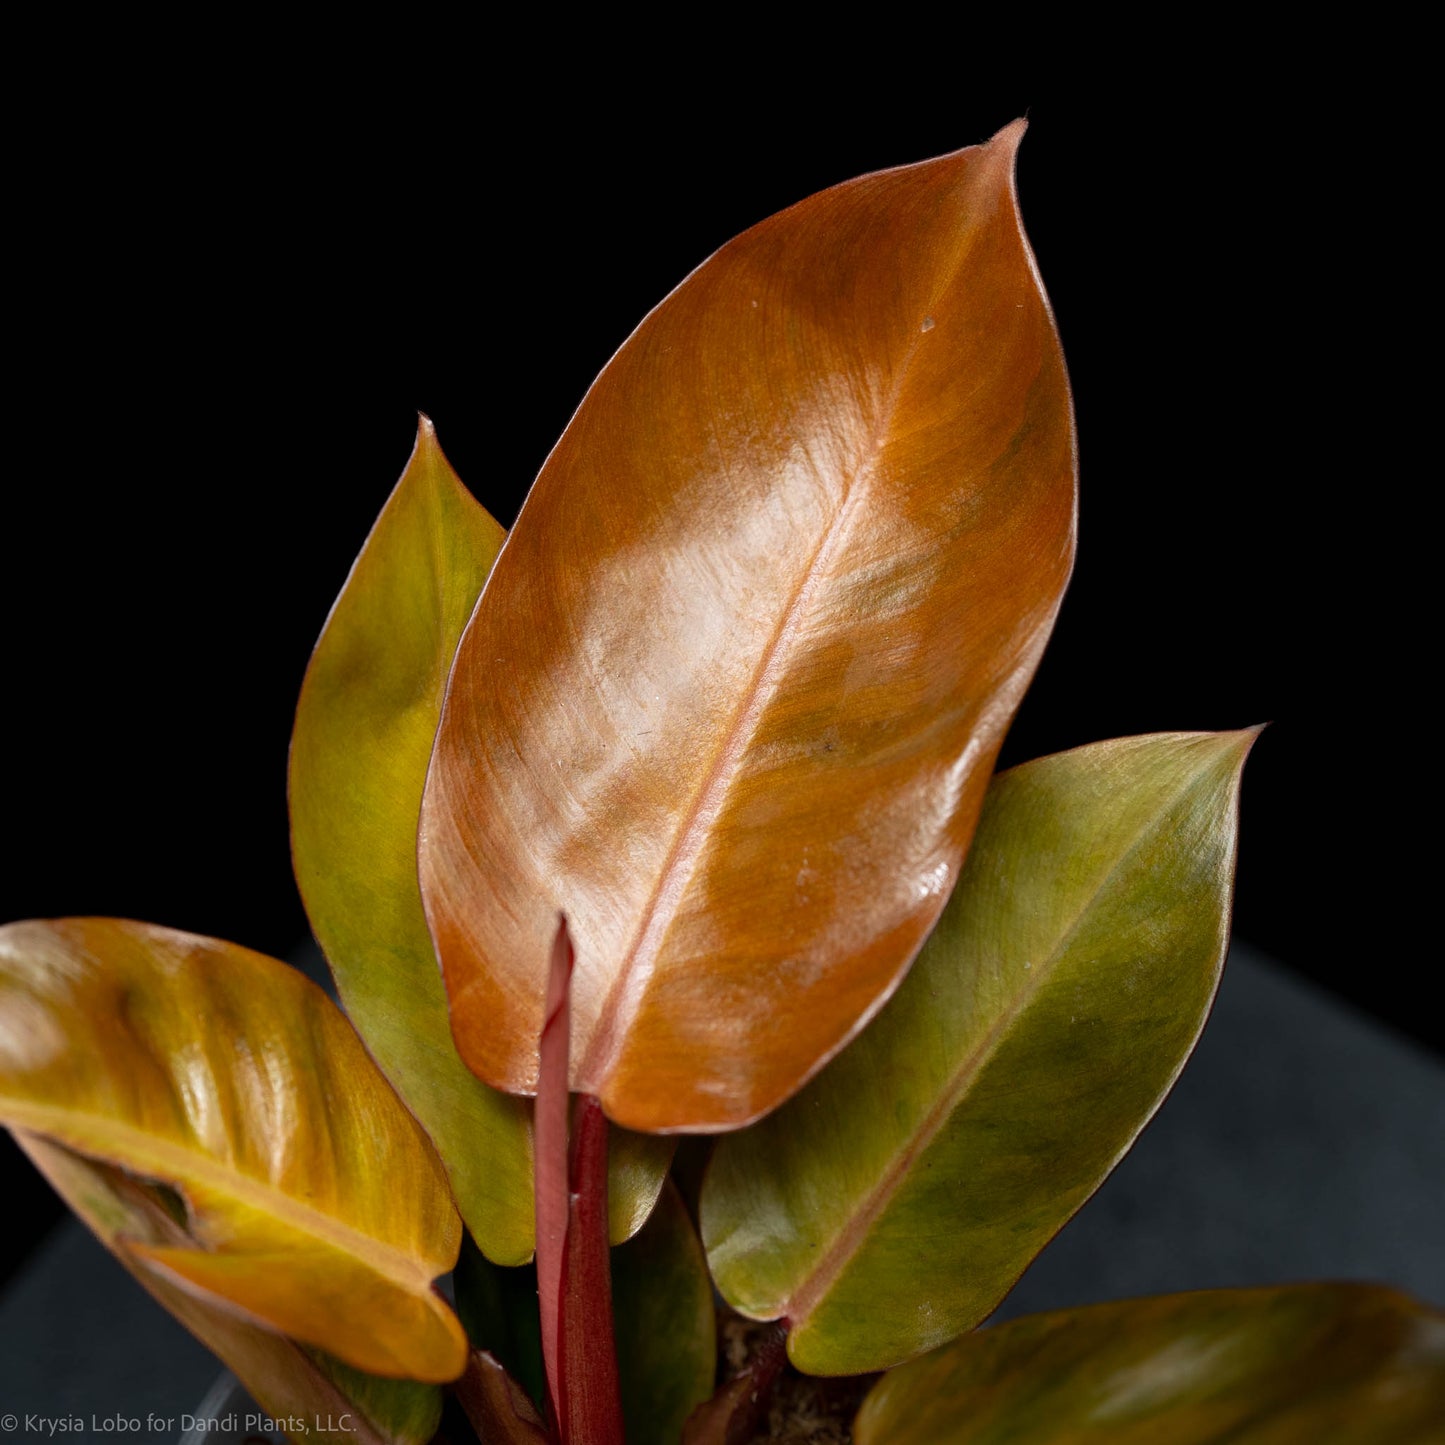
(573, 1271)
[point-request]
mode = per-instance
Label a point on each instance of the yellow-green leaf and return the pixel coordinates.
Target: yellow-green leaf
(364, 727)
(312, 1200)
(890, 1206)
(1314, 1364)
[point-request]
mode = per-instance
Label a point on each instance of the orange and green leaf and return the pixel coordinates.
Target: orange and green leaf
(339, 1405)
(1350, 1364)
(313, 1201)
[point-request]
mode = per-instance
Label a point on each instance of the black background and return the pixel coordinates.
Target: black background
(232, 305)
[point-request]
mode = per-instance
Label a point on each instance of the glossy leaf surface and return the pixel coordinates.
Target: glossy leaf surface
(637, 1166)
(662, 1302)
(1333, 1364)
(340, 1405)
(890, 1206)
(732, 693)
(313, 1201)
(364, 728)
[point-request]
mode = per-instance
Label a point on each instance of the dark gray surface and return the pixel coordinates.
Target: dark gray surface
(78, 1337)
(1301, 1142)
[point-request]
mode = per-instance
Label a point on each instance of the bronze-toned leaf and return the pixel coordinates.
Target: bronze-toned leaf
(889, 1207)
(313, 1201)
(340, 1405)
(1311, 1364)
(364, 728)
(497, 1406)
(732, 693)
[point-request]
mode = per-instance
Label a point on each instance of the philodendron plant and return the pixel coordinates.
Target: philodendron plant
(671, 813)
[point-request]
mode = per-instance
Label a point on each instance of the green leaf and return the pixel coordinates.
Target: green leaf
(1326, 1364)
(637, 1166)
(666, 1328)
(498, 1308)
(363, 737)
(891, 1205)
(311, 1199)
(401, 1410)
(339, 1405)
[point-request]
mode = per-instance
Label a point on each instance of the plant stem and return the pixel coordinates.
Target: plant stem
(592, 1405)
(550, 1186)
(574, 1281)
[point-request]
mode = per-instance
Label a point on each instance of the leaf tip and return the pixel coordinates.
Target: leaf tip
(1005, 143)
(426, 452)
(426, 435)
(1243, 739)
(991, 164)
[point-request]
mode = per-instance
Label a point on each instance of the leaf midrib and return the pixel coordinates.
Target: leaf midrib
(629, 983)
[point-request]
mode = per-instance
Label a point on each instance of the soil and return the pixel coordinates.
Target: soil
(804, 1410)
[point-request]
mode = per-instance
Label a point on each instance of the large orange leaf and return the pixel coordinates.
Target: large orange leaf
(735, 686)
(313, 1202)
